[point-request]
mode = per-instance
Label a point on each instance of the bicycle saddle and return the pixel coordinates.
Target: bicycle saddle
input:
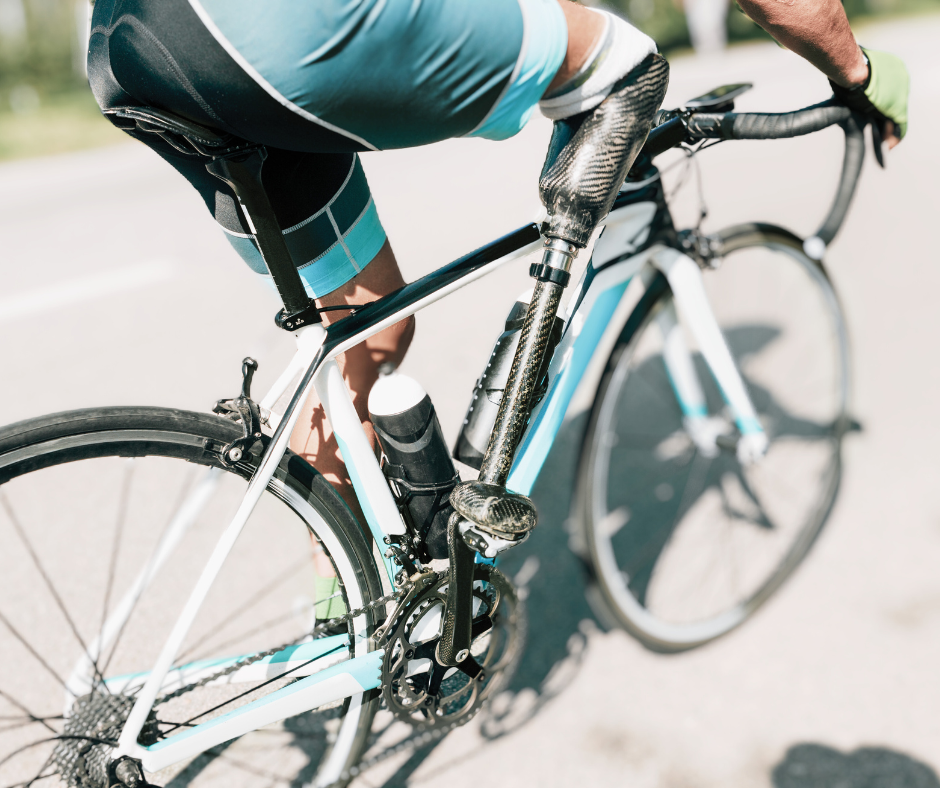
(184, 135)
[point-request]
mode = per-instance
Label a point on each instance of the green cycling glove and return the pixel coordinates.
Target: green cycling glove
(885, 93)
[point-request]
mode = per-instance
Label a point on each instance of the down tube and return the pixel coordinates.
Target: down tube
(589, 337)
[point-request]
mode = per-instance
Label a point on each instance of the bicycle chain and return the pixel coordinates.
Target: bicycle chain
(420, 739)
(319, 629)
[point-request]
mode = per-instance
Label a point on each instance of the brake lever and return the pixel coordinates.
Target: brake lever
(878, 141)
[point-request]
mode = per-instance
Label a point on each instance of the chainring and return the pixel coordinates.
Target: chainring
(410, 669)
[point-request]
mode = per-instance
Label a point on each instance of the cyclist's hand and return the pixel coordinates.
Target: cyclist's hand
(883, 96)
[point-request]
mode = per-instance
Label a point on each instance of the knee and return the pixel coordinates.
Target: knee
(590, 154)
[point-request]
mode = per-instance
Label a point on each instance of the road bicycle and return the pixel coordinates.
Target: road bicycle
(710, 375)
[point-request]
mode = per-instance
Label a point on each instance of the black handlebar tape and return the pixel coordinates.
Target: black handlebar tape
(853, 126)
(766, 126)
(664, 137)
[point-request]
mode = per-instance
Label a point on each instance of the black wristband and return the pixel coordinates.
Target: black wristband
(855, 98)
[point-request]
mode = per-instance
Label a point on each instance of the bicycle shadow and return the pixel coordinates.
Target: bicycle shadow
(819, 766)
(550, 575)
(546, 568)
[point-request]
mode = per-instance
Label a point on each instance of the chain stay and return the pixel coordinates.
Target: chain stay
(320, 629)
(414, 585)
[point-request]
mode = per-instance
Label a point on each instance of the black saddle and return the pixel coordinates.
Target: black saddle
(182, 134)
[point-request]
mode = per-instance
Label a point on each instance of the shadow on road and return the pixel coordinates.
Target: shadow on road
(818, 766)
(547, 572)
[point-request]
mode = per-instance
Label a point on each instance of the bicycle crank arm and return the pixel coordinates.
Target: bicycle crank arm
(456, 633)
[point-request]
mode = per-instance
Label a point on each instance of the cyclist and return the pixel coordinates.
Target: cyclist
(318, 82)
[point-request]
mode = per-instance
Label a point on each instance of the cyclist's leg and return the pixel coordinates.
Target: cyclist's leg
(401, 75)
(312, 438)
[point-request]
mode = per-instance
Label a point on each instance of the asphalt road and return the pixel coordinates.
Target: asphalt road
(119, 290)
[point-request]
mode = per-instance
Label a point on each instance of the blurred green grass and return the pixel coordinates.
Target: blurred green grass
(63, 121)
(46, 106)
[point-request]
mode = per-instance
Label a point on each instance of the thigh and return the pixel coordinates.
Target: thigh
(316, 82)
(332, 75)
(159, 54)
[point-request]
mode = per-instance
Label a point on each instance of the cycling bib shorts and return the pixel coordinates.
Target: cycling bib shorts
(318, 82)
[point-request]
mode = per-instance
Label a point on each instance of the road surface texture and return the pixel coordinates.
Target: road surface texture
(118, 289)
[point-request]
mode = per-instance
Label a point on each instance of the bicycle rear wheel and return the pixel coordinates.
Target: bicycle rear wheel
(684, 547)
(95, 502)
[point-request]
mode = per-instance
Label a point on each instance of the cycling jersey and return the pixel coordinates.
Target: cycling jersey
(317, 82)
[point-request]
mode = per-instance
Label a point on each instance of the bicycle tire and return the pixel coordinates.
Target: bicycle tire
(80, 452)
(642, 568)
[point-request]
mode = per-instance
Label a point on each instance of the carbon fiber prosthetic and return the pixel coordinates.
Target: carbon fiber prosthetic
(590, 154)
(523, 378)
(587, 161)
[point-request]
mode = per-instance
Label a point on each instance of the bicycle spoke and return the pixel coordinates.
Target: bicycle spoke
(52, 590)
(116, 547)
(35, 780)
(269, 624)
(63, 737)
(25, 722)
(240, 611)
(39, 775)
(756, 500)
(14, 702)
(184, 492)
(254, 689)
(5, 621)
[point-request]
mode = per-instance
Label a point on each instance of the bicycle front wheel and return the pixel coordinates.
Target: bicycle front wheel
(684, 544)
(107, 516)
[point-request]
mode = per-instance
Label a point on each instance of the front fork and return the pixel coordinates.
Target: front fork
(688, 291)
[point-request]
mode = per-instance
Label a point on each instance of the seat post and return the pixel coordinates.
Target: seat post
(241, 169)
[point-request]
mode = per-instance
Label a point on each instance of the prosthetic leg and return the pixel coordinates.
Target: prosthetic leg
(588, 159)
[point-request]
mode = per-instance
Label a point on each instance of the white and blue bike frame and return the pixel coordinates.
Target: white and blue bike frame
(331, 669)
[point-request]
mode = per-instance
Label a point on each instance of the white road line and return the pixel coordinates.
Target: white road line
(86, 288)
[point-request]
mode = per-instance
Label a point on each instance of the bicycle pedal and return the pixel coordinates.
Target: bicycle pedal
(495, 519)
(488, 546)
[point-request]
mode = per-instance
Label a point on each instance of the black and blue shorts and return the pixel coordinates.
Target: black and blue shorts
(316, 82)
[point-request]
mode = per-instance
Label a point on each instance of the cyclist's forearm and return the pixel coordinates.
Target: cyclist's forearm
(817, 30)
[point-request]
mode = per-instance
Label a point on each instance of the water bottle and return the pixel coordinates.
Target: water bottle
(417, 462)
(488, 392)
